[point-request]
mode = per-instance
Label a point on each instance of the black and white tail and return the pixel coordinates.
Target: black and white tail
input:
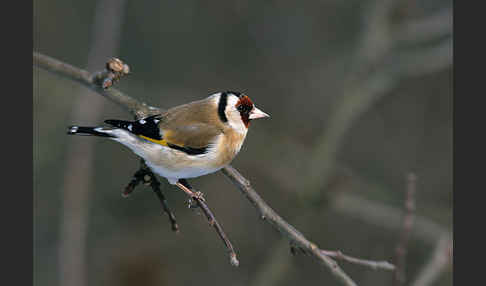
(95, 131)
(147, 127)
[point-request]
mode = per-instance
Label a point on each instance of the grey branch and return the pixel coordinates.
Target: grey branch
(140, 110)
(385, 265)
(135, 107)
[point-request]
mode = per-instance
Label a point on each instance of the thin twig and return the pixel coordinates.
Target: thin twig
(214, 223)
(408, 219)
(145, 175)
(384, 265)
(136, 108)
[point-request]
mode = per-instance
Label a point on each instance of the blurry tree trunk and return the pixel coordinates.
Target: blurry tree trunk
(79, 170)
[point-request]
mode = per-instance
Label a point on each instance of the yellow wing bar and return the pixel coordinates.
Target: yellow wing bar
(156, 141)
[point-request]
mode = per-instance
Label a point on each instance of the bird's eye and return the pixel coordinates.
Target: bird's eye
(244, 108)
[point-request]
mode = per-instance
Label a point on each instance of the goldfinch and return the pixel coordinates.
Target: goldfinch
(188, 140)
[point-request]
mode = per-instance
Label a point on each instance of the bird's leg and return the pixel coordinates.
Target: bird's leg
(184, 185)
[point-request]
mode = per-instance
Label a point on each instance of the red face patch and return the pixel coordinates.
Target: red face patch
(245, 106)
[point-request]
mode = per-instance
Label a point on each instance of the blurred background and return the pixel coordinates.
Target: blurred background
(360, 94)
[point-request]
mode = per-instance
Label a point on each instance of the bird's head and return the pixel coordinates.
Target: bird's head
(238, 109)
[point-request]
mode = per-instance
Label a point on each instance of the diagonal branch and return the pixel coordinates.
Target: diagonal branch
(288, 231)
(139, 110)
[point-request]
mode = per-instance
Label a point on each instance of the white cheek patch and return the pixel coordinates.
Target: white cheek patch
(233, 115)
(142, 121)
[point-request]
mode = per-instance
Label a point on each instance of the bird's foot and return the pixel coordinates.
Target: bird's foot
(198, 196)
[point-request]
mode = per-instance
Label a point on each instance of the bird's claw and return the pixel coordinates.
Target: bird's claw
(198, 196)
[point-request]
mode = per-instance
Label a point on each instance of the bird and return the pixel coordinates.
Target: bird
(188, 140)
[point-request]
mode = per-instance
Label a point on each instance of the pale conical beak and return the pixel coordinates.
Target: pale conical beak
(257, 113)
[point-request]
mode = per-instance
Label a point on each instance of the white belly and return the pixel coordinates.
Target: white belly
(184, 173)
(173, 164)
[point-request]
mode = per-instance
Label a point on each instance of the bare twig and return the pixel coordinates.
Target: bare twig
(439, 260)
(135, 107)
(408, 219)
(214, 223)
(145, 175)
(384, 265)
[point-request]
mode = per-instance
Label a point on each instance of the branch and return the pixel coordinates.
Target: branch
(136, 108)
(201, 203)
(140, 110)
(385, 265)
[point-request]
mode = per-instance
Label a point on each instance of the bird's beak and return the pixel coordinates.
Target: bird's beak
(257, 113)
